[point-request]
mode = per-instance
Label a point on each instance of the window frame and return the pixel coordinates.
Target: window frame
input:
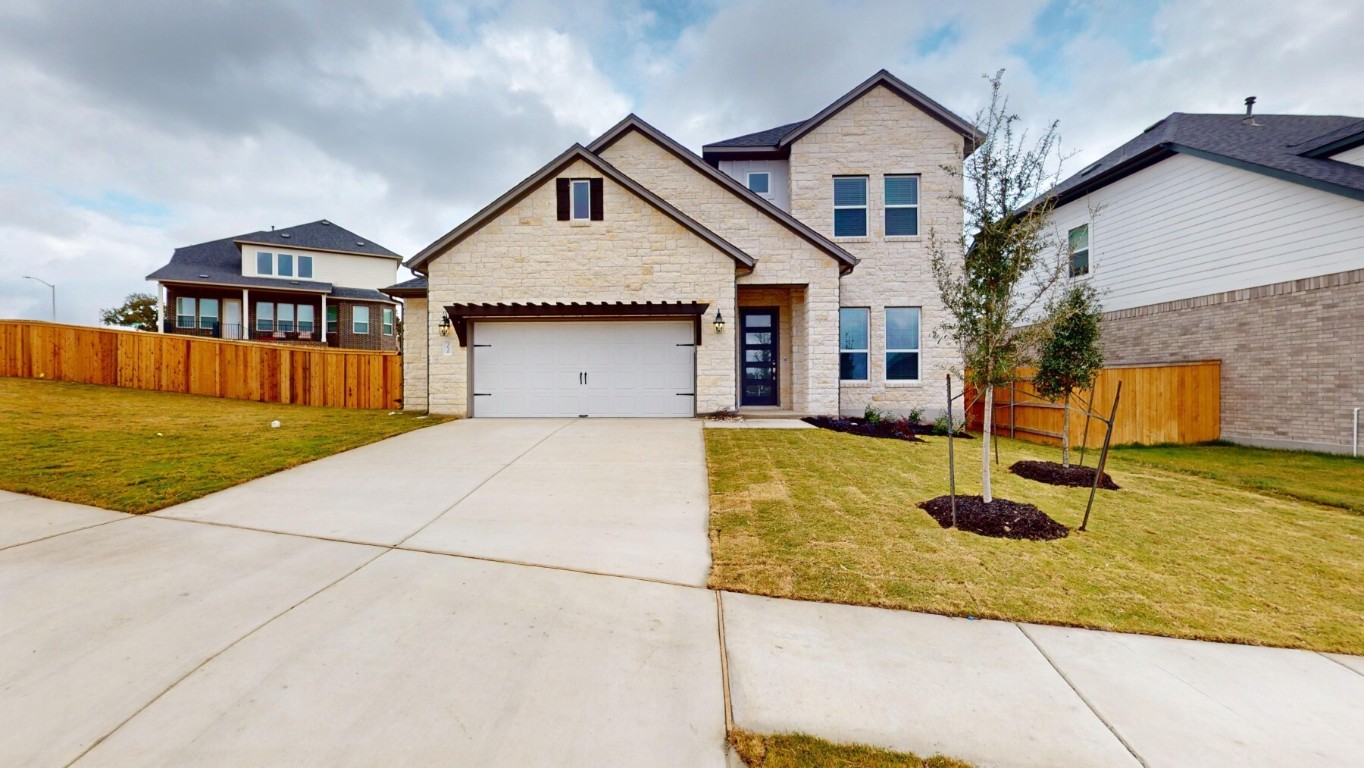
(748, 182)
(193, 312)
(333, 319)
(864, 207)
(887, 207)
(215, 316)
(865, 351)
(386, 320)
(355, 321)
(284, 258)
(312, 318)
(266, 259)
(279, 317)
(261, 314)
(299, 261)
(573, 186)
(917, 350)
(1070, 246)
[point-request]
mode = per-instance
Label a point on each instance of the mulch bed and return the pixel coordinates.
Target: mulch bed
(1001, 518)
(889, 428)
(1052, 473)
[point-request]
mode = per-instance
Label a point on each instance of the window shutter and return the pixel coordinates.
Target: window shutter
(561, 194)
(594, 193)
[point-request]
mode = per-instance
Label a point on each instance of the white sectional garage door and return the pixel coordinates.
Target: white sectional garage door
(587, 368)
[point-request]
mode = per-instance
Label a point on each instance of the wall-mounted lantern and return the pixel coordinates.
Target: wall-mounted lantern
(719, 322)
(445, 325)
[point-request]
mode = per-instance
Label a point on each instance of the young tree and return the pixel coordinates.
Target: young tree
(998, 269)
(138, 311)
(1069, 358)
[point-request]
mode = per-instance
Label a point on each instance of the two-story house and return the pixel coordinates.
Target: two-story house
(314, 283)
(783, 271)
(1237, 238)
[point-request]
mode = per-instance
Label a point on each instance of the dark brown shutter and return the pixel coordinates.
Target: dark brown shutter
(561, 192)
(594, 189)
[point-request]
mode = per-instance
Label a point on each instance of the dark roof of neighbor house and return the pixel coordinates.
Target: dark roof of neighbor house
(219, 262)
(321, 235)
(1281, 146)
(415, 287)
(548, 172)
(776, 142)
(634, 122)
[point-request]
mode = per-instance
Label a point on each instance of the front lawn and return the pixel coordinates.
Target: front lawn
(818, 515)
(794, 750)
(135, 451)
(1333, 480)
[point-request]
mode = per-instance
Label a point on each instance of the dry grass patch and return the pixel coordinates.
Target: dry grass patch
(1170, 554)
(794, 750)
(134, 451)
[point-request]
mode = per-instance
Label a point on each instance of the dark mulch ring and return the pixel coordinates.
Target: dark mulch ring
(1001, 518)
(1055, 474)
(888, 428)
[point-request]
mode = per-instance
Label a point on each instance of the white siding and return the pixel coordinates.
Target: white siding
(1352, 156)
(780, 188)
(1188, 227)
(342, 269)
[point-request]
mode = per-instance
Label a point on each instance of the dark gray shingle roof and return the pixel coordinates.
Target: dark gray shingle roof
(360, 294)
(220, 262)
(1351, 134)
(322, 235)
(1272, 146)
(768, 138)
(414, 287)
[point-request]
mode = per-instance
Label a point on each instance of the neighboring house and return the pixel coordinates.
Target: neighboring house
(632, 277)
(1238, 238)
(310, 284)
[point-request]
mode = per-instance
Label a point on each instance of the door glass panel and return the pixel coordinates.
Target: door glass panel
(758, 321)
(758, 338)
(758, 356)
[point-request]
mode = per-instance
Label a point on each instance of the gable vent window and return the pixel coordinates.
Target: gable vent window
(902, 206)
(760, 183)
(850, 206)
(578, 199)
(1079, 250)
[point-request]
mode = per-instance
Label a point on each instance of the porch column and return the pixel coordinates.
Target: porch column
(160, 307)
(242, 333)
(324, 318)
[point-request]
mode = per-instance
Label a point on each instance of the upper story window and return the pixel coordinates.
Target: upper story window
(760, 182)
(902, 206)
(578, 199)
(265, 263)
(850, 206)
(305, 266)
(902, 343)
(853, 338)
(286, 265)
(1079, 250)
(582, 200)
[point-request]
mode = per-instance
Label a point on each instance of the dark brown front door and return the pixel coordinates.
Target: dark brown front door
(759, 349)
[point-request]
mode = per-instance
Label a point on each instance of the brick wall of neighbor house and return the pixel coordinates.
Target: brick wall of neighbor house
(634, 254)
(783, 259)
(174, 292)
(415, 346)
(876, 135)
(376, 339)
(1292, 355)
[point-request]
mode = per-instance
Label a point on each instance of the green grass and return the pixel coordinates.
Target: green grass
(1321, 478)
(794, 750)
(818, 515)
(135, 451)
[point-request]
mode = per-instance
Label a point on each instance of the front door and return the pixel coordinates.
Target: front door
(759, 349)
(232, 319)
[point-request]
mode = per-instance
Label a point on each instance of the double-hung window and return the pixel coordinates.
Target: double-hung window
(305, 318)
(333, 319)
(760, 182)
(208, 313)
(902, 206)
(853, 337)
(184, 312)
(582, 200)
(285, 320)
(286, 265)
(265, 263)
(305, 266)
(359, 319)
(902, 343)
(1079, 251)
(388, 321)
(850, 206)
(265, 316)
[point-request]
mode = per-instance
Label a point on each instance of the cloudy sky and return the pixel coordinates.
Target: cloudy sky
(130, 128)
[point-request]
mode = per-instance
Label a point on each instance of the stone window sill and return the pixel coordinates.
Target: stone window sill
(904, 384)
(854, 383)
(580, 222)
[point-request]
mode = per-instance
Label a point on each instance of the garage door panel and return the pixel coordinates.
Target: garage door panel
(632, 368)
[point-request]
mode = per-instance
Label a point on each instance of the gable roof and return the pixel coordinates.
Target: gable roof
(635, 123)
(1334, 142)
(548, 172)
(321, 235)
(1281, 146)
(776, 142)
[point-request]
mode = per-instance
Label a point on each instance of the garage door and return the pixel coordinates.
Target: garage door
(590, 368)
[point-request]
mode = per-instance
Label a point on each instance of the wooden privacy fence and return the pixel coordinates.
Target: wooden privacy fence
(1174, 403)
(238, 370)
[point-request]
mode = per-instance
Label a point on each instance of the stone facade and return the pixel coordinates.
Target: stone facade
(784, 259)
(636, 253)
(876, 135)
(1292, 355)
(416, 329)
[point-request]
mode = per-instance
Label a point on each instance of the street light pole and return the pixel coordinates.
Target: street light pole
(54, 293)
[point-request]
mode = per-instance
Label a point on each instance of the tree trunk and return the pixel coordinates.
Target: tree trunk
(1065, 432)
(985, 444)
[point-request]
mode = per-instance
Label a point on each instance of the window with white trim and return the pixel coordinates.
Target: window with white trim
(760, 182)
(902, 343)
(850, 206)
(359, 320)
(306, 322)
(853, 343)
(284, 318)
(265, 263)
(333, 319)
(582, 199)
(387, 317)
(1079, 250)
(286, 265)
(265, 316)
(305, 266)
(208, 313)
(184, 312)
(902, 206)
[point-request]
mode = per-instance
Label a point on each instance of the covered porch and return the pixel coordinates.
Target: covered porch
(773, 343)
(247, 314)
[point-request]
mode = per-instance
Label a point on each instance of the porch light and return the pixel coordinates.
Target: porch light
(719, 322)
(445, 325)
